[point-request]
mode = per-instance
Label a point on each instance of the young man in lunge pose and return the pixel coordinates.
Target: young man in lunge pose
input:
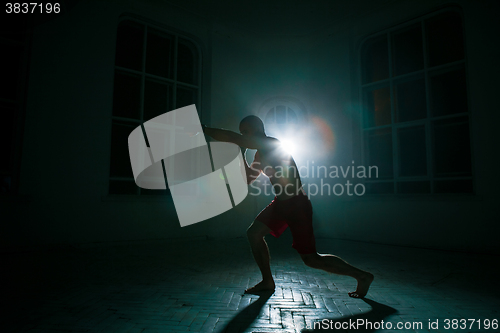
(290, 208)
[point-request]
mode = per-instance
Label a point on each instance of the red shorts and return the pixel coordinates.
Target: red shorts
(295, 213)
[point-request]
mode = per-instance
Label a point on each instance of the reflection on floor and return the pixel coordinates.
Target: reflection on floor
(197, 286)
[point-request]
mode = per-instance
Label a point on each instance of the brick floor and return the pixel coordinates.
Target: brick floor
(196, 286)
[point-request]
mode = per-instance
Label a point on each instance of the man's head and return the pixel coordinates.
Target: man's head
(252, 125)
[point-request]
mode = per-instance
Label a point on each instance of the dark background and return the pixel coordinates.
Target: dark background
(62, 129)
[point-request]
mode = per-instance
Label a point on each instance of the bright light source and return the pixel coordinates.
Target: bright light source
(288, 147)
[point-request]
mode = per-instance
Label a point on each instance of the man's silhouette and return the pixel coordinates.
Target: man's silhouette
(290, 208)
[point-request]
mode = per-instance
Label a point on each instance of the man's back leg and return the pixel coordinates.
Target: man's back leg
(334, 264)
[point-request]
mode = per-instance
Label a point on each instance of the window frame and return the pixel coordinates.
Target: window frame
(288, 110)
(394, 126)
(143, 75)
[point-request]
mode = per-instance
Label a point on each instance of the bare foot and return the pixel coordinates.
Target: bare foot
(261, 286)
(363, 286)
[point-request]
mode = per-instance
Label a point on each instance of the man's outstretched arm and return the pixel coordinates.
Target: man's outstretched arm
(242, 141)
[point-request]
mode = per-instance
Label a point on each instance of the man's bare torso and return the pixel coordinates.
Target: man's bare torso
(282, 171)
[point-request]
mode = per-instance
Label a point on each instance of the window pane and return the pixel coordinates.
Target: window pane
(453, 186)
(452, 155)
(129, 43)
(7, 114)
(414, 187)
(10, 70)
(120, 160)
(375, 59)
(186, 96)
(445, 42)
(379, 151)
(127, 96)
(448, 93)
(157, 99)
(160, 54)
(145, 191)
(292, 117)
(379, 188)
(280, 114)
(412, 151)
(408, 51)
(122, 187)
(378, 104)
(410, 100)
(187, 62)
(270, 116)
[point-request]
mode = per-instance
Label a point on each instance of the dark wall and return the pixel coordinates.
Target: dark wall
(62, 197)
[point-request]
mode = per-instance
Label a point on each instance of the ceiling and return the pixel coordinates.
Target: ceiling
(278, 17)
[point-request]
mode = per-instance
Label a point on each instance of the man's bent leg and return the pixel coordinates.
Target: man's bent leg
(334, 264)
(260, 251)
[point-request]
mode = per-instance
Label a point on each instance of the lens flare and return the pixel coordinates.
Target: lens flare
(325, 132)
(288, 146)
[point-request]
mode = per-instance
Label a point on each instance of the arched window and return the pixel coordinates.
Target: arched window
(156, 71)
(416, 116)
(281, 114)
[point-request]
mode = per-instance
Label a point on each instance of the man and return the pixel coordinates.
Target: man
(290, 208)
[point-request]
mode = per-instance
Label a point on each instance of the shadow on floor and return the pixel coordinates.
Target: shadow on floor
(247, 316)
(375, 316)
